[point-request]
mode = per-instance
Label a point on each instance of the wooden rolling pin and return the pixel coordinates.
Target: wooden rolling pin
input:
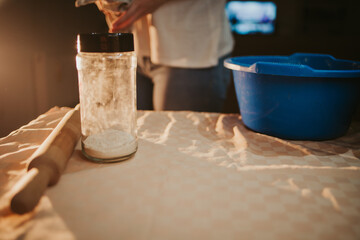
(47, 163)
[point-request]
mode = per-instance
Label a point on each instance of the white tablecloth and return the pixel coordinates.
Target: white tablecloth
(195, 176)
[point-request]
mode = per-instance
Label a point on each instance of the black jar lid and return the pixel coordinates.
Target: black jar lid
(105, 42)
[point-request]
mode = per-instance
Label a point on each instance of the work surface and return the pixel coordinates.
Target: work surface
(195, 176)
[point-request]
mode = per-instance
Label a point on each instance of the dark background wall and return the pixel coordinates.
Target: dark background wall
(37, 56)
(38, 37)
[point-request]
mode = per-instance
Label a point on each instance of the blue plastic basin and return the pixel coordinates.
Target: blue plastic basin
(299, 97)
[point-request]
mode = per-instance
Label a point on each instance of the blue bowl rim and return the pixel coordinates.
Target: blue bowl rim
(263, 65)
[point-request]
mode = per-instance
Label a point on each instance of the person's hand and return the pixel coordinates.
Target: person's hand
(136, 10)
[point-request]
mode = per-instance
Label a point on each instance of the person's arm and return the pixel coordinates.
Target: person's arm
(136, 10)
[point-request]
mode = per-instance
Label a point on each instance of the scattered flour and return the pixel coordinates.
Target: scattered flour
(109, 144)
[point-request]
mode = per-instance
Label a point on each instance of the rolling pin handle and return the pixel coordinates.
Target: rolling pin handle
(32, 187)
(48, 162)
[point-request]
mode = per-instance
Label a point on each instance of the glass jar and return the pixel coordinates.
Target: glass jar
(106, 65)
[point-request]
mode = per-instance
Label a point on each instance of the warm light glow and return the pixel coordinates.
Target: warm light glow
(78, 44)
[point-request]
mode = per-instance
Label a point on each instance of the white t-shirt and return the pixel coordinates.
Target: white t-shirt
(185, 33)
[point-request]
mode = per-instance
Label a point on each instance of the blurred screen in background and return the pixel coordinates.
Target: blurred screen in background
(251, 17)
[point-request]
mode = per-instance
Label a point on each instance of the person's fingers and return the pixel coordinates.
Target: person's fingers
(122, 22)
(99, 5)
(136, 10)
(126, 20)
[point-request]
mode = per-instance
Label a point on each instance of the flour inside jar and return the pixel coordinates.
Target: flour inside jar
(109, 144)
